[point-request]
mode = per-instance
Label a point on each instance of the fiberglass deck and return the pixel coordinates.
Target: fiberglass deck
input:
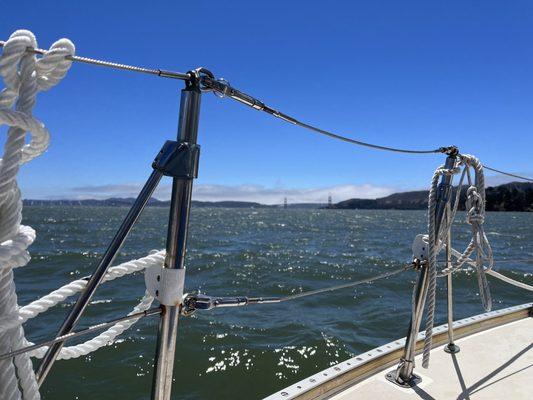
(493, 364)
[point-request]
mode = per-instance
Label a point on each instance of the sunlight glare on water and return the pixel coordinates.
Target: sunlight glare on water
(248, 353)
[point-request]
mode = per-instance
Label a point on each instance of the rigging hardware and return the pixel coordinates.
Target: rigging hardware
(404, 375)
(223, 87)
(193, 302)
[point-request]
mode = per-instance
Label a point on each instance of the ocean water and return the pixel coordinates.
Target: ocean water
(250, 352)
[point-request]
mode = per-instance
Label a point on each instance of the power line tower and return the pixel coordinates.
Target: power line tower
(285, 203)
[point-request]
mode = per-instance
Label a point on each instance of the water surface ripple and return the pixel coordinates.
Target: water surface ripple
(247, 353)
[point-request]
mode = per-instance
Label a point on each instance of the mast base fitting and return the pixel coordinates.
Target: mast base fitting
(452, 348)
(178, 160)
(414, 381)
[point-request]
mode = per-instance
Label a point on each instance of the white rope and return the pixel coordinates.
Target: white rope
(508, 280)
(434, 246)
(24, 76)
(495, 274)
(475, 207)
(106, 338)
(156, 258)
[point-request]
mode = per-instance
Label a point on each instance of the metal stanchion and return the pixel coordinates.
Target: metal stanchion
(176, 242)
(404, 375)
(179, 160)
(451, 347)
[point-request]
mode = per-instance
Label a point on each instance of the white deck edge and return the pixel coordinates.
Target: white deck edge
(332, 372)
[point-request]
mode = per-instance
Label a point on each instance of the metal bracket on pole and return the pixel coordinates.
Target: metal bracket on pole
(178, 160)
(165, 284)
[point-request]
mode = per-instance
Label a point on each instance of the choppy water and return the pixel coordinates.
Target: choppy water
(248, 353)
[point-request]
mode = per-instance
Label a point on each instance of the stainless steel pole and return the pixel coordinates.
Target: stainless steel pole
(176, 245)
(96, 278)
(451, 347)
(404, 374)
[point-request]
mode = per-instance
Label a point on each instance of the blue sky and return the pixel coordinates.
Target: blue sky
(416, 74)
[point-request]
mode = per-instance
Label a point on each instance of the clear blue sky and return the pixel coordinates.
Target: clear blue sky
(413, 74)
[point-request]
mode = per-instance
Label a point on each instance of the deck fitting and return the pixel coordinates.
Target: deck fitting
(415, 380)
(452, 348)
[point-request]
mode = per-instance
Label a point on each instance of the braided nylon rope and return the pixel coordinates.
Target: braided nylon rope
(24, 77)
(432, 258)
(41, 305)
(107, 337)
(475, 207)
(495, 274)
(104, 339)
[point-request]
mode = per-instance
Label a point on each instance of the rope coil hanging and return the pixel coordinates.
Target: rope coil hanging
(24, 77)
(475, 206)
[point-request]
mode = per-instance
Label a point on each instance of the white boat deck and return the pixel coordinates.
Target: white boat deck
(493, 364)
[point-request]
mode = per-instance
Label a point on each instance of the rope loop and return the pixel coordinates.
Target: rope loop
(24, 76)
(475, 207)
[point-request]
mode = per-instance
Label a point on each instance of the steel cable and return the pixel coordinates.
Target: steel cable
(344, 286)
(226, 90)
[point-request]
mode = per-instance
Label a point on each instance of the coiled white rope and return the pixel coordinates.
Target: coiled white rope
(24, 77)
(475, 206)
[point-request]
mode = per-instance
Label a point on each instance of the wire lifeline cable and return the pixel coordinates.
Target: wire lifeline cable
(113, 65)
(194, 302)
(508, 173)
(345, 285)
(360, 143)
(227, 90)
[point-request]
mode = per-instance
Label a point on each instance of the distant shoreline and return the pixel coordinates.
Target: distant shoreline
(514, 196)
(126, 202)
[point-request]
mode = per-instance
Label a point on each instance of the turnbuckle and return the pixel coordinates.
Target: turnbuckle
(193, 302)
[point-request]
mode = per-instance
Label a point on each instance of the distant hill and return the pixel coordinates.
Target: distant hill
(121, 202)
(514, 196)
(128, 201)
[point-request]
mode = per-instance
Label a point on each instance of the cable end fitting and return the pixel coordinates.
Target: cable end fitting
(196, 75)
(450, 150)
